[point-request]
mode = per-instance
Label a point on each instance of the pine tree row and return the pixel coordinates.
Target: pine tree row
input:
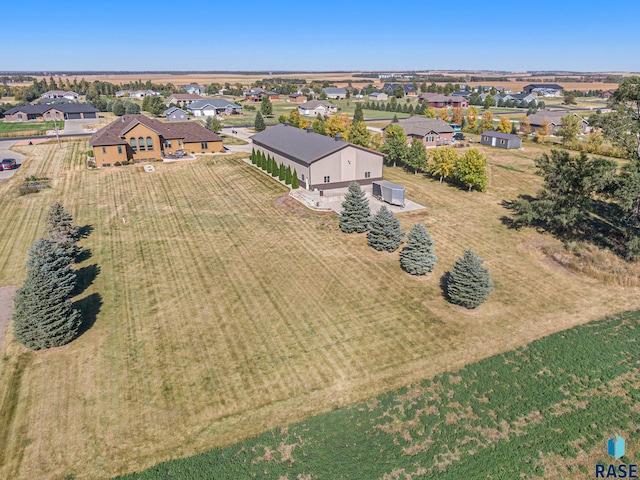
(269, 165)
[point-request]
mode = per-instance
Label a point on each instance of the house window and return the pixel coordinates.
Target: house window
(303, 177)
(119, 149)
(20, 116)
(180, 143)
(502, 142)
(204, 145)
(149, 144)
(141, 143)
(104, 149)
(106, 164)
(367, 174)
(327, 179)
(167, 144)
(133, 144)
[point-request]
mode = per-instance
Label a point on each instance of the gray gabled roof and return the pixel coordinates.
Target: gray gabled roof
(335, 90)
(171, 110)
(300, 145)
(214, 102)
(421, 126)
(501, 135)
(63, 107)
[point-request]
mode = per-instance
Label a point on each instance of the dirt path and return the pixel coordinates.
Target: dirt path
(6, 306)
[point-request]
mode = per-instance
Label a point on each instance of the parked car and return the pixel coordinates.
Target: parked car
(8, 164)
(459, 136)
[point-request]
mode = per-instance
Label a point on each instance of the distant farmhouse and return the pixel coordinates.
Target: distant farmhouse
(335, 93)
(60, 94)
(500, 140)
(378, 96)
(193, 88)
(408, 89)
(320, 162)
(65, 111)
(297, 98)
(257, 94)
(544, 89)
(553, 121)
(212, 107)
(139, 138)
(443, 101)
(175, 113)
(136, 93)
(431, 131)
(313, 108)
(183, 99)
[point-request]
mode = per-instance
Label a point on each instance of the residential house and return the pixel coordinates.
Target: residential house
(608, 94)
(297, 98)
(60, 94)
(139, 138)
(257, 94)
(553, 121)
(193, 88)
(175, 113)
(212, 107)
(183, 99)
(443, 101)
(408, 89)
(544, 89)
(462, 93)
(378, 96)
(335, 93)
(320, 162)
(517, 98)
(500, 140)
(65, 111)
(313, 108)
(433, 132)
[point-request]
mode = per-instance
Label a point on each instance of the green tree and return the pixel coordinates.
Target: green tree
(627, 195)
(471, 170)
(287, 175)
(385, 232)
(294, 180)
(318, 125)
(154, 105)
(570, 129)
(469, 282)
(61, 230)
(282, 173)
(259, 125)
(358, 134)
(395, 145)
(253, 156)
(275, 168)
(118, 108)
(418, 257)
(417, 158)
(358, 116)
(355, 214)
(442, 162)
(213, 124)
(488, 102)
(266, 107)
(131, 108)
(398, 92)
(570, 184)
(43, 314)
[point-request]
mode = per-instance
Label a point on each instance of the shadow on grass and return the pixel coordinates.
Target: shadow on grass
(84, 254)
(444, 281)
(85, 231)
(85, 278)
(89, 308)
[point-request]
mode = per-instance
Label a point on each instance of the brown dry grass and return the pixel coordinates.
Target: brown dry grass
(226, 313)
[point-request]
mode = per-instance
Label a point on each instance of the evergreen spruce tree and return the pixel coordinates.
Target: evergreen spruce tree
(355, 215)
(253, 156)
(385, 232)
(259, 125)
(263, 161)
(275, 169)
(282, 172)
(294, 180)
(358, 116)
(469, 283)
(287, 176)
(61, 230)
(269, 163)
(43, 315)
(417, 256)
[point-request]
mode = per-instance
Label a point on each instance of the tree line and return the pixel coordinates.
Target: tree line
(279, 171)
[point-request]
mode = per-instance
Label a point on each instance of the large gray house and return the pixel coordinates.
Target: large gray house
(320, 162)
(213, 106)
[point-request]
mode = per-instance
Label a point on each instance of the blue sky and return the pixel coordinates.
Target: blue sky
(328, 35)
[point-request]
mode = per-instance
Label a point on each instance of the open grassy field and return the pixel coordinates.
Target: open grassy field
(17, 127)
(541, 411)
(223, 309)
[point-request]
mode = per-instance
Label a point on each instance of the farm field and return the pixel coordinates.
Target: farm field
(555, 402)
(222, 309)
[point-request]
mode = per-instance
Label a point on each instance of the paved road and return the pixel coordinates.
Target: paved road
(6, 153)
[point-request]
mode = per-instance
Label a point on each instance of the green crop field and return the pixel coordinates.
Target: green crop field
(219, 308)
(544, 410)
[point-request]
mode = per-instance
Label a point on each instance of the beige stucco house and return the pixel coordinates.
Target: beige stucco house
(320, 162)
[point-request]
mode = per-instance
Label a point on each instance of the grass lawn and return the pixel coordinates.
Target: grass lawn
(223, 309)
(555, 402)
(17, 127)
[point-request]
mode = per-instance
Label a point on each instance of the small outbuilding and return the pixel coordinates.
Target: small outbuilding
(500, 140)
(388, 192)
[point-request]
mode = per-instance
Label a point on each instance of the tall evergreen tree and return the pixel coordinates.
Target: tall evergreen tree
(287, 176)
(43, 315)
(259, 125)
(275, 169)
(355, 215)
(358, 116)
(266, 107)
(253, 156)
(294, 180)
(469, 283)
(385, 232)
(61, 230)
(282, 173)
(417, 257)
